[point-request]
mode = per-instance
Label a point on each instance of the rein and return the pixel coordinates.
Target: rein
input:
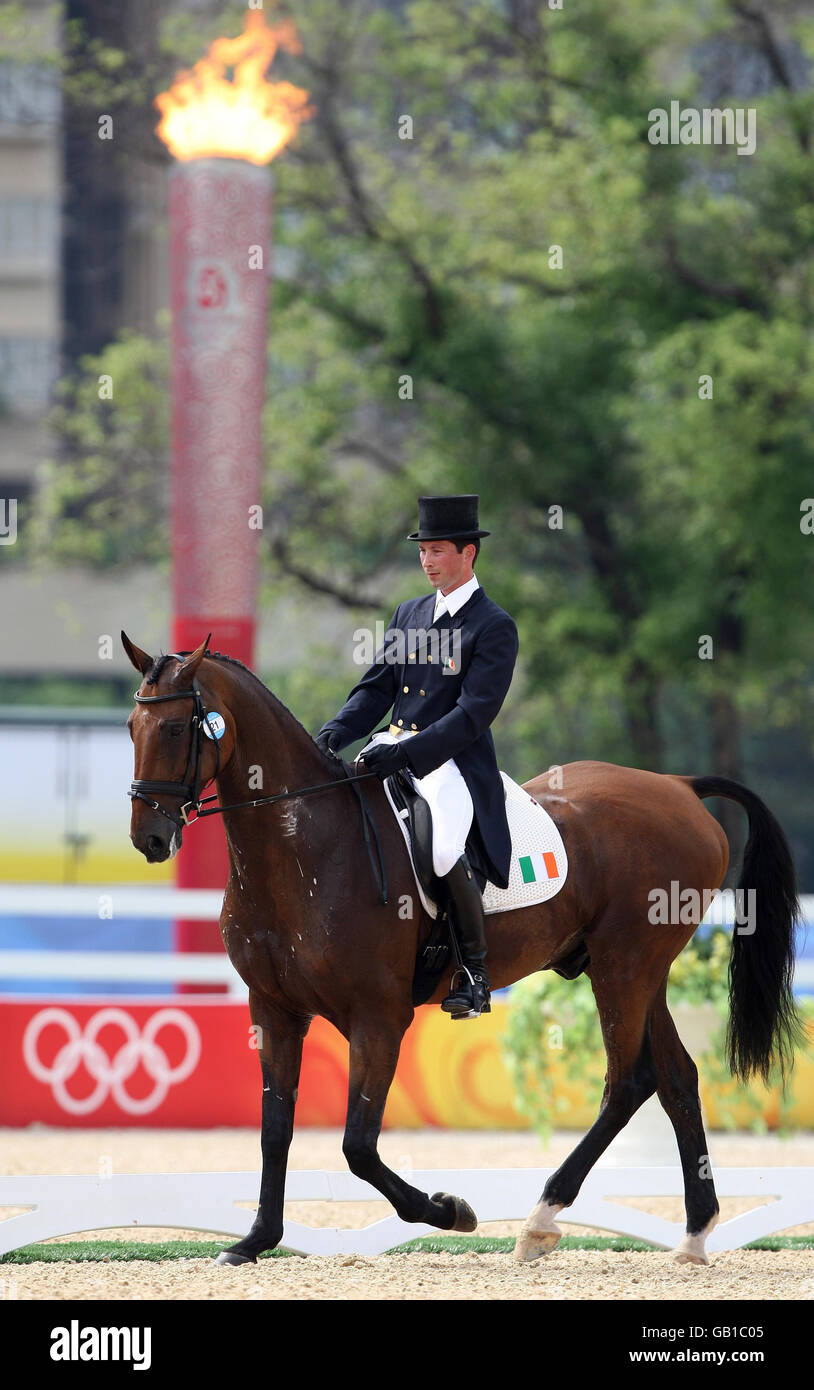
(191, 786)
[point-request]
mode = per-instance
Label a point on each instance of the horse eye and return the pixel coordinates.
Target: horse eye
(175, 730)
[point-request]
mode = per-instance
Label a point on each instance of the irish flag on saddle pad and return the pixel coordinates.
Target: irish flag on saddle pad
(539, 866)
(539, 863)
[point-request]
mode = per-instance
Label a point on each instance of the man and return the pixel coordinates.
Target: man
(445, 695)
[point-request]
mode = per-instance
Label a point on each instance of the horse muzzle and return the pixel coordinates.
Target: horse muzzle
(157, 842)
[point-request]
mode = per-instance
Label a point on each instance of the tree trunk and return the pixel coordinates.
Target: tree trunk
(724, 716)
(725, 741)
(642, 717)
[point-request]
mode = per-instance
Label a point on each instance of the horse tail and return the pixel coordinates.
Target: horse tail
(764, 1026)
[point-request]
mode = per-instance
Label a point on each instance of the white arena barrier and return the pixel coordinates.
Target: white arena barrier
(120, 900)
(130, 967)
(206, 1202)
(204, 904)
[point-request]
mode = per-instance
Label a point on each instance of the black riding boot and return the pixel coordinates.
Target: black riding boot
(469, 996)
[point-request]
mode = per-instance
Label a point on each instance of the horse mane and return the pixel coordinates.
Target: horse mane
(160, 662)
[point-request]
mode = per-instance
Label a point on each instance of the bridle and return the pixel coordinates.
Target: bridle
(190, 789)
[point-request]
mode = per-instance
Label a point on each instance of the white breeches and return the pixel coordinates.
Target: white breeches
(450, 803)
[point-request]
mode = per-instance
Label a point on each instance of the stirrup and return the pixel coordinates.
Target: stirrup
(475, 987)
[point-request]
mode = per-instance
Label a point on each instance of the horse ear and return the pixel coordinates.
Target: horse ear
(139, 659)
(193, 661)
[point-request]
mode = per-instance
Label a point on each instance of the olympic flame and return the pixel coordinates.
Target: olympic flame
(204, 114)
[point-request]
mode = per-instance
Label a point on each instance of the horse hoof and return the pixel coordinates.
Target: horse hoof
(530, 1245)
(231, 1257)
(465, 1218)
(687, 1257)
(691, 1250)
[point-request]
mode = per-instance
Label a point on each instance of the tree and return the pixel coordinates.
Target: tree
(491, 280)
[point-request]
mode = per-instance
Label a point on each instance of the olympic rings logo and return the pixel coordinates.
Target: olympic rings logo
(111, 1073)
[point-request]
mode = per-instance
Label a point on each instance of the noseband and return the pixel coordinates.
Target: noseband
(190, 789)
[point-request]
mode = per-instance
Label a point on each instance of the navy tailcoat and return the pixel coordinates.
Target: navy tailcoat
(451, 701)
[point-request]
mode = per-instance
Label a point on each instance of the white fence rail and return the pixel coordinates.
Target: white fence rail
(122, 899)
(162, 967)
(133, 967)
(204, 904)
(116, 902)
(206, 1202)
(129, 900)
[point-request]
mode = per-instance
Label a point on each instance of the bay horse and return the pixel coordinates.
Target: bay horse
(305, 929)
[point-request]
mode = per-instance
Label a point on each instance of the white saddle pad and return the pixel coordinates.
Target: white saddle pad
(539, 864)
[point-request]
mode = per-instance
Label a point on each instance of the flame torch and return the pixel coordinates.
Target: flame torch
(222, 134)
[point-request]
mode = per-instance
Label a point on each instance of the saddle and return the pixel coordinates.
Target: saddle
(414, 813)
(412, 807)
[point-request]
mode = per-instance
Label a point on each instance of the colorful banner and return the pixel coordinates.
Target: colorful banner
(193, 1063)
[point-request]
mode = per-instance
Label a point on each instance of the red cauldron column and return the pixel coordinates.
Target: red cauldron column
(222, 133)
(219, 208)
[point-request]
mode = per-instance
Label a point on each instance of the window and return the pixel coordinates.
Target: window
(29, 94)
(28, 369)
(29, 232)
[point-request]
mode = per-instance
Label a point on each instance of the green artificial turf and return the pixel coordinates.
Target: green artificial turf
(105, 1251)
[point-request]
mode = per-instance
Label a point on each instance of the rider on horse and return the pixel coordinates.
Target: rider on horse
(440, 730)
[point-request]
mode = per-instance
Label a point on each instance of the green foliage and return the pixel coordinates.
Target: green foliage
(104, 500)
(700, 974)
(65, 691)
(27, 37)
(551, 1017)
(533, 383)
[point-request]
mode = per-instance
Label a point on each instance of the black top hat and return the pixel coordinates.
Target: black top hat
(448, 518)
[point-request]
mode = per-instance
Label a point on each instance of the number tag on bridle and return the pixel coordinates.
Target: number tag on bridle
(214, 725)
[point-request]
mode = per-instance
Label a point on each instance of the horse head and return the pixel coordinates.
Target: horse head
(182, 739)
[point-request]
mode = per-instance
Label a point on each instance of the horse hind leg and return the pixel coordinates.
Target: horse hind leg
(540, 1233)
(630, 1081)
(677, 1087)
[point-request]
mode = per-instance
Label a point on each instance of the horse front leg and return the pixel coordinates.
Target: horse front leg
(374, 1053)
(280, 1037)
